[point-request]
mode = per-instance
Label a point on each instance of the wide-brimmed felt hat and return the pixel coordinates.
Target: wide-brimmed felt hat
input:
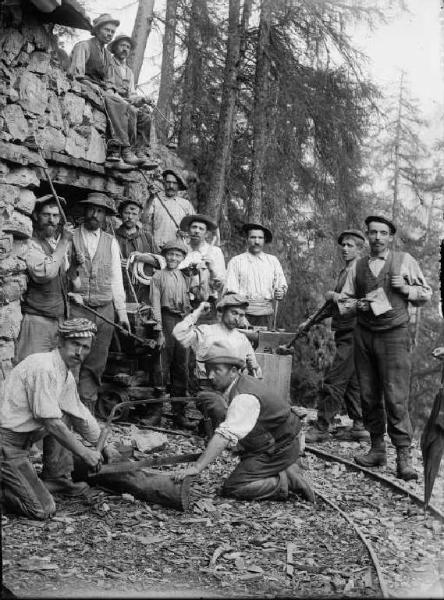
(186, 222)
(381, 219)
(223, 353)
(174, 245)
(102, 19)
(48, 199)
(267, 233)
(112, 45)
(125, 201)
(351, 232)
(230, 300)
(178, 176)
(99, 199)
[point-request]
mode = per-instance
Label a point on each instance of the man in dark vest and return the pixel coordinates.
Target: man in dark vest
(91, 63)
(44, 303)
(99, 286)
(263, 425)
(341, 382)
(384, 284)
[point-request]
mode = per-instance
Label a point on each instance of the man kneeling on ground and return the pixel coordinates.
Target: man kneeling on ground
(264, 426)
(41, 401)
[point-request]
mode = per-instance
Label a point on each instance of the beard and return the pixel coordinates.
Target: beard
(47, 231)
(92, 224)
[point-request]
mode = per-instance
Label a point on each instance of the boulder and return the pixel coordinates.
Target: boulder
(23, 176)
(75, 144)
(11, 44)
(51, 139)
(11, 265)
(73, 108)
(96, 147)
(39, 62)
(33, 95)
(6, 242)
(58, 81)
(12, 289)
(25, 201)
(99, 120)
(19, 225)
(15, 123)
(20, 249)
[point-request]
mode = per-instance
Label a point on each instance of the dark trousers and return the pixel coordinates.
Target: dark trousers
(92, 369)
(122, 120)
(382, 362)
(341, 382)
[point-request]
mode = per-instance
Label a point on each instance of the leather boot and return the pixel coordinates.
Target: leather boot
(180, 419)
(404, 468)
(316, 433)
(297, 483)
(376, 456)
(65, 486)
(154, 415)
(130, 158)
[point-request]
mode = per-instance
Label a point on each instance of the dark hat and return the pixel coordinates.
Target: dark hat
(48, 199)
(267, 233)
(102, 20)
(99, 199)
(125, 201)
(75, 328)
(232, 300)
(174, 245)
(222, 352)
(351, 232)
(112, 45)
(180, 180)
(186, 222)
(381, 219)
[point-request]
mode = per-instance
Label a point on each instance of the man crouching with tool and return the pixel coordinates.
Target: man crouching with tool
(40, 400)
(264, 426)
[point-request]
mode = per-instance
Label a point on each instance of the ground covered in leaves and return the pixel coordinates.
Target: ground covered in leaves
(221, 547)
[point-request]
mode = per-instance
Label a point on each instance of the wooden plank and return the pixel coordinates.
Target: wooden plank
(276, 370)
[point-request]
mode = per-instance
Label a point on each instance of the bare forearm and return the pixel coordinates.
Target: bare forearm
(64, 436)
(214, 449)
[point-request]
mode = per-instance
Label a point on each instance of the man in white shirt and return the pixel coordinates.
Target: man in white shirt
(100, 286)
(257, 276)
(264, 426)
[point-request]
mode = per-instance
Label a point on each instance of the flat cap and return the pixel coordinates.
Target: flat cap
(267, 233)
(232, 300)
(381, 219)
(174, 245)
(223, 353)
(99, 199)
(199, 218)
(77, 328)
(351, 232)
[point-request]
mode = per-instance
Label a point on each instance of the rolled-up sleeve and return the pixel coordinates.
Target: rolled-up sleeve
(116, 278)
(242, 415)
(419, 292)
(186, 333)
(44, 399)
(41, 267)
(232, 279)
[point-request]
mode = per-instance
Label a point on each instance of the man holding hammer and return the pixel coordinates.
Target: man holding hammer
(40, 400)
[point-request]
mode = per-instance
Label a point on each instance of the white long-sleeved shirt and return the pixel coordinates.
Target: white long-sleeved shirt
(41, 267)
(242, 415)
(91, 240)
(216, 255)
(255, 276)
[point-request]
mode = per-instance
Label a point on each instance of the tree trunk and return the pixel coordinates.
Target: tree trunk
(260, 112)
(395, 205)
(226, 116)
(141, 31)
(167, 71)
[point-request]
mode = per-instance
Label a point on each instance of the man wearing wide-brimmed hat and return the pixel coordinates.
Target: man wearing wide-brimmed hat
(256, 275)
(40, 400)
(263, 425)
(45, 300)
(166, 209)
(341, 382)
(91, 63)
(384, 284)
(99, 286)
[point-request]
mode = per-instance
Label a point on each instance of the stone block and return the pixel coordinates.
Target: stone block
(11, 265)
(10, 291)
(15, 122)
(10, 320)
(99, 120)
(37, 35)
(19, 225)
(96, 148)
(19, 250)
(39, 62)
(11, 44)
(22, 176)
(25, 201)
(6, 350)
(58, 81)
(75, 144)
(6, 242)
(51, 139)
(73, 108)
(33, 95)
(54, 111)
(93, 94)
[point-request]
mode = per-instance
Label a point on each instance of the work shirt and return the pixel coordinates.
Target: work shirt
(169, 290)
(201, 337)
(82, 52)
(419, 292)
(122, 76)
(213, 253)
(255, 276)
(42, 387)
(91, 241)
(41, 267)
(242, 415)
(163, 217)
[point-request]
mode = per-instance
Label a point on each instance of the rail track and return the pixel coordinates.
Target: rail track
(403, 543)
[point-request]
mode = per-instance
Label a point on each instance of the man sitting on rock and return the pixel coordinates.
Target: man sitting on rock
(264, 426)
(91, 63)
(40, 400)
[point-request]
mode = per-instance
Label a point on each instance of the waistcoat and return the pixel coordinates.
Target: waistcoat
(366, 282)
(96, 66)
(344, 322)
(47, 299)
(95, 274)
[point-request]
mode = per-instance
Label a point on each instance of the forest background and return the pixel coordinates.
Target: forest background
(306, 115)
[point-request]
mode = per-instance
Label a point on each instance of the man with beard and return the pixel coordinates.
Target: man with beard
(384, 284)
(136, 246)
(44, 303)
(122, 80)
(100, 287)
(167, 209)
(91, 63)
(263, 425)
(257, 276)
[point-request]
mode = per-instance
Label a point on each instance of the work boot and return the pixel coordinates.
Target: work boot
(376, 456)
(179, 417)
(356, 433)
(316, 433)
(130, 158)
(154, 415)
(404, 468)
(145, 161)
(297, 483)
(65, 486)
(113, 154)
